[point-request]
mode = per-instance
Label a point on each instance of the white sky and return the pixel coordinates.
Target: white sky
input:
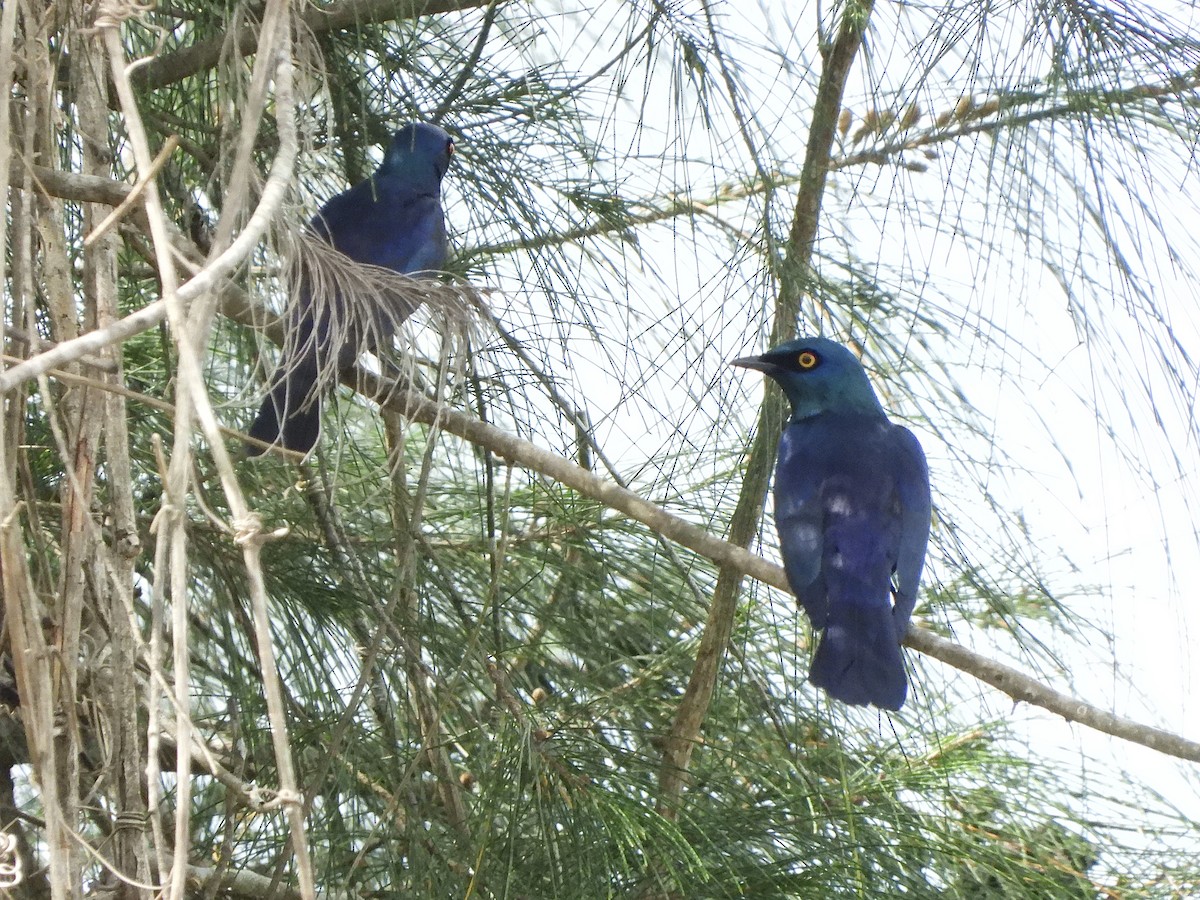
(1132, 534)
(657, 382)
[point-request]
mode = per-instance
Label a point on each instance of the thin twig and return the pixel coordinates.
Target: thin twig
(134, 194)
(469, 64)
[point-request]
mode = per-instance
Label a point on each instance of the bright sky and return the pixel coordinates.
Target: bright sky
(1119, 506)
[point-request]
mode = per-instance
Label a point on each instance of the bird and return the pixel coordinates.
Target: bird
(393, 220)
(852, 509)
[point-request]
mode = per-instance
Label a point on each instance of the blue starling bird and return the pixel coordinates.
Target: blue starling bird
(392, 220)
(852, 509)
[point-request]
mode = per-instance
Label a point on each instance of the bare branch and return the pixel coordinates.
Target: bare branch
(1021, 687)
(71, 185)
(350, 13)
(795, 275)
(206, 279)
(68, 351)
(246, 883)
(1015, 684)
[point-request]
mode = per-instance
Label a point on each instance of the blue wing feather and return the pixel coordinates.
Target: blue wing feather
(382, 222)
(912, 485)
(799, 518)
(852, 511)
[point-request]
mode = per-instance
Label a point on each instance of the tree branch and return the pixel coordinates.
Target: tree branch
(1004, 678)
(795, 275)
(1015, 684)
(199, 57)
(246, 883)
(207, 278)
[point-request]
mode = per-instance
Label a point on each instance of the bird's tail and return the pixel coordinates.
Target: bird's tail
(291, 412)
(858, 659)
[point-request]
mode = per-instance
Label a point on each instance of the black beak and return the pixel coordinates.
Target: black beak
(752, 362)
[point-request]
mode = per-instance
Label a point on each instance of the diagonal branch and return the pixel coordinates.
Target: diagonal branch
(727, 555)
(468, 66)
(206, 279)
(738, 559)
(795, 275)
(200, 57)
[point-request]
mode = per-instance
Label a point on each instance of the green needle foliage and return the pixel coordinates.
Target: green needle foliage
(480, 668)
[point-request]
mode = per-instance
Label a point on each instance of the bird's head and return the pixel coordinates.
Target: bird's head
(817, 376)
(419, 150)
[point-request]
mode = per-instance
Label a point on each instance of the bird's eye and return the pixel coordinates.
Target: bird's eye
(807, 360)
(449, 148)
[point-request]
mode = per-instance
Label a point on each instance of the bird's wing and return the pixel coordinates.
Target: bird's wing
(426, 246)
(382, 224)
(800, 518)
(912, 488)
(851, 504)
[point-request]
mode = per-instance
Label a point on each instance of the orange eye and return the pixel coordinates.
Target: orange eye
(807, 360)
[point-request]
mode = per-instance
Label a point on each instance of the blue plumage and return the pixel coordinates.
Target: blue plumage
(393, 220)
(852, 507)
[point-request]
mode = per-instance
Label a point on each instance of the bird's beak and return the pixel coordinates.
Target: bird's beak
(752, 362)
